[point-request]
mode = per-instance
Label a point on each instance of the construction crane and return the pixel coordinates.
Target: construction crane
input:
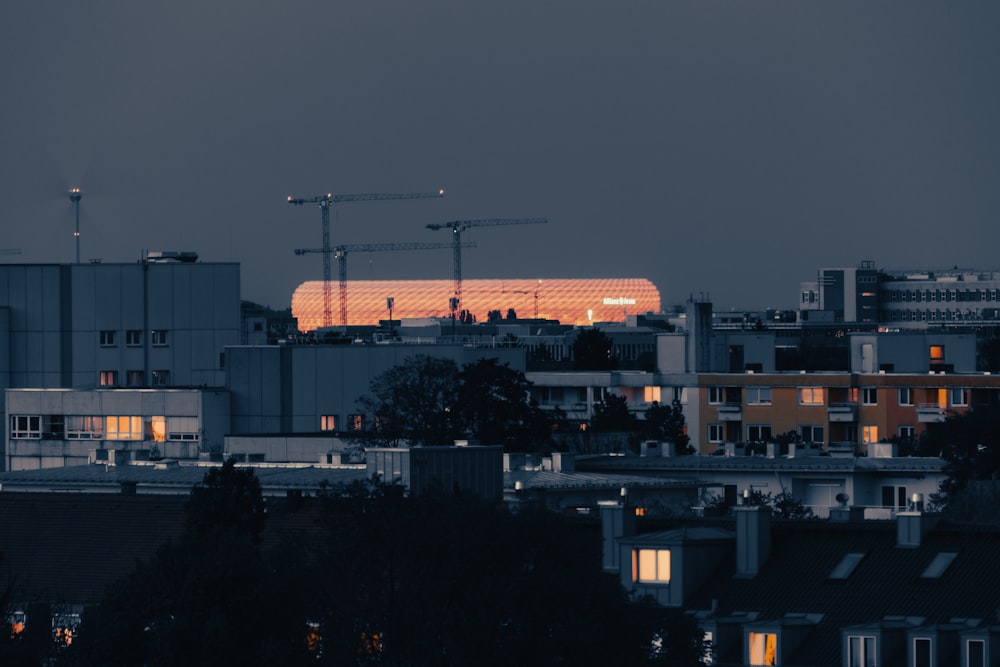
(74, 196)
(341, 252)
(324, 202)
(459, 226)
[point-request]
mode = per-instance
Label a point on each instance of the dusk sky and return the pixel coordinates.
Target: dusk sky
(725, 149)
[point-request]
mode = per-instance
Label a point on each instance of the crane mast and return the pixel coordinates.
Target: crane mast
(324, 202)
(341, 252)
(459, 226)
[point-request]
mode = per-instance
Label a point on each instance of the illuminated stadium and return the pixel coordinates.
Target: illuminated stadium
(571, 301)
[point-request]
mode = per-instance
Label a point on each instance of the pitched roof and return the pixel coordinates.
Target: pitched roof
(887, 582)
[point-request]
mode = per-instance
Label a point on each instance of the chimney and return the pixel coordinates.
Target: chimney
(753, 539)
(617, 521)
(563, 462)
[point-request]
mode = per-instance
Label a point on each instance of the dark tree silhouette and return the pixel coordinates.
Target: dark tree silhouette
(666, 422)
(415, 402)
(592, 351)
(612, 414)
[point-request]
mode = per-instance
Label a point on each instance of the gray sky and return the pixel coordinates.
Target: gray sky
(720, 148)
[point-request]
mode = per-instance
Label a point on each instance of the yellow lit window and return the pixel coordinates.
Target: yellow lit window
(937, 353)
(942, 398)
(651, 566)
(123, 428)
(811, 396)
(328, 423)
(651, 394)
(869, 434)
(763, 648)
(156, 429)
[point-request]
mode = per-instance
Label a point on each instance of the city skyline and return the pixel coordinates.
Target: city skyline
(724, 150)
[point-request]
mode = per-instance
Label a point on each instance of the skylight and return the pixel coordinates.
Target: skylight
(846, 566)
(940, 563)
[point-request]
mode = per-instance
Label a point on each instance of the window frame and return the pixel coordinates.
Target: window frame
(721, 435)
(757, 395)
(963, 397)
(328, 423)
(761, 428)
(807, 396)
(106, 337)
(865, 645)
(716, 395)
(30, 427)
(158, 337)
(904, 399)
(869, 395)
(656, 558)
(108, 379)
(133, 337)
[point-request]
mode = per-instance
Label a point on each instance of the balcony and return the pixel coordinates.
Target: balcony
(931, 412)
(730, 412)
(842, 412)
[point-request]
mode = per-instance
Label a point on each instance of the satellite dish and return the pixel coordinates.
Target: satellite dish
(842, 498)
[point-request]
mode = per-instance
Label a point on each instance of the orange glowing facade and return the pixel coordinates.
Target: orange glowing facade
(571, 301)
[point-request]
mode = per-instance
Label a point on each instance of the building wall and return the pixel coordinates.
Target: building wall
(289, 388)
(193, 421)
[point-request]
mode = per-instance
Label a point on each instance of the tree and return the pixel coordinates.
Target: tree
(211, 597)
(666, 422)
(415, 402)
(493, 401)
(227, 500)
(592, 351)
(612, 414)
(970, 443)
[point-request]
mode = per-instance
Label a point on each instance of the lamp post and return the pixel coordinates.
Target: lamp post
(74, 196)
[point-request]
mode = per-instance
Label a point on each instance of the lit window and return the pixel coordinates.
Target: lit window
(156, 429)
(905, 396)
(651, 394)
(161, 378)
(960, 396)
(758, 396)
(716, 433)
(109, 378)
(328, 423)
(25, 426)
(763, 648)
(975, 653)
(107, 337)
(811, 396)
(937, 354)
(869, 433)
(158, 336)
(64, 627)
(651, 566)
(715, 395)
(356, 422)
(123, 428)
(133, 337)
(17, 620)
(869, 396)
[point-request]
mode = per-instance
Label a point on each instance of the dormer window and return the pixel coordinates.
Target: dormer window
(763, 648)
(651, 566)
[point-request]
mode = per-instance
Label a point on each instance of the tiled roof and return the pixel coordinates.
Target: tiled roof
(887, 581)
